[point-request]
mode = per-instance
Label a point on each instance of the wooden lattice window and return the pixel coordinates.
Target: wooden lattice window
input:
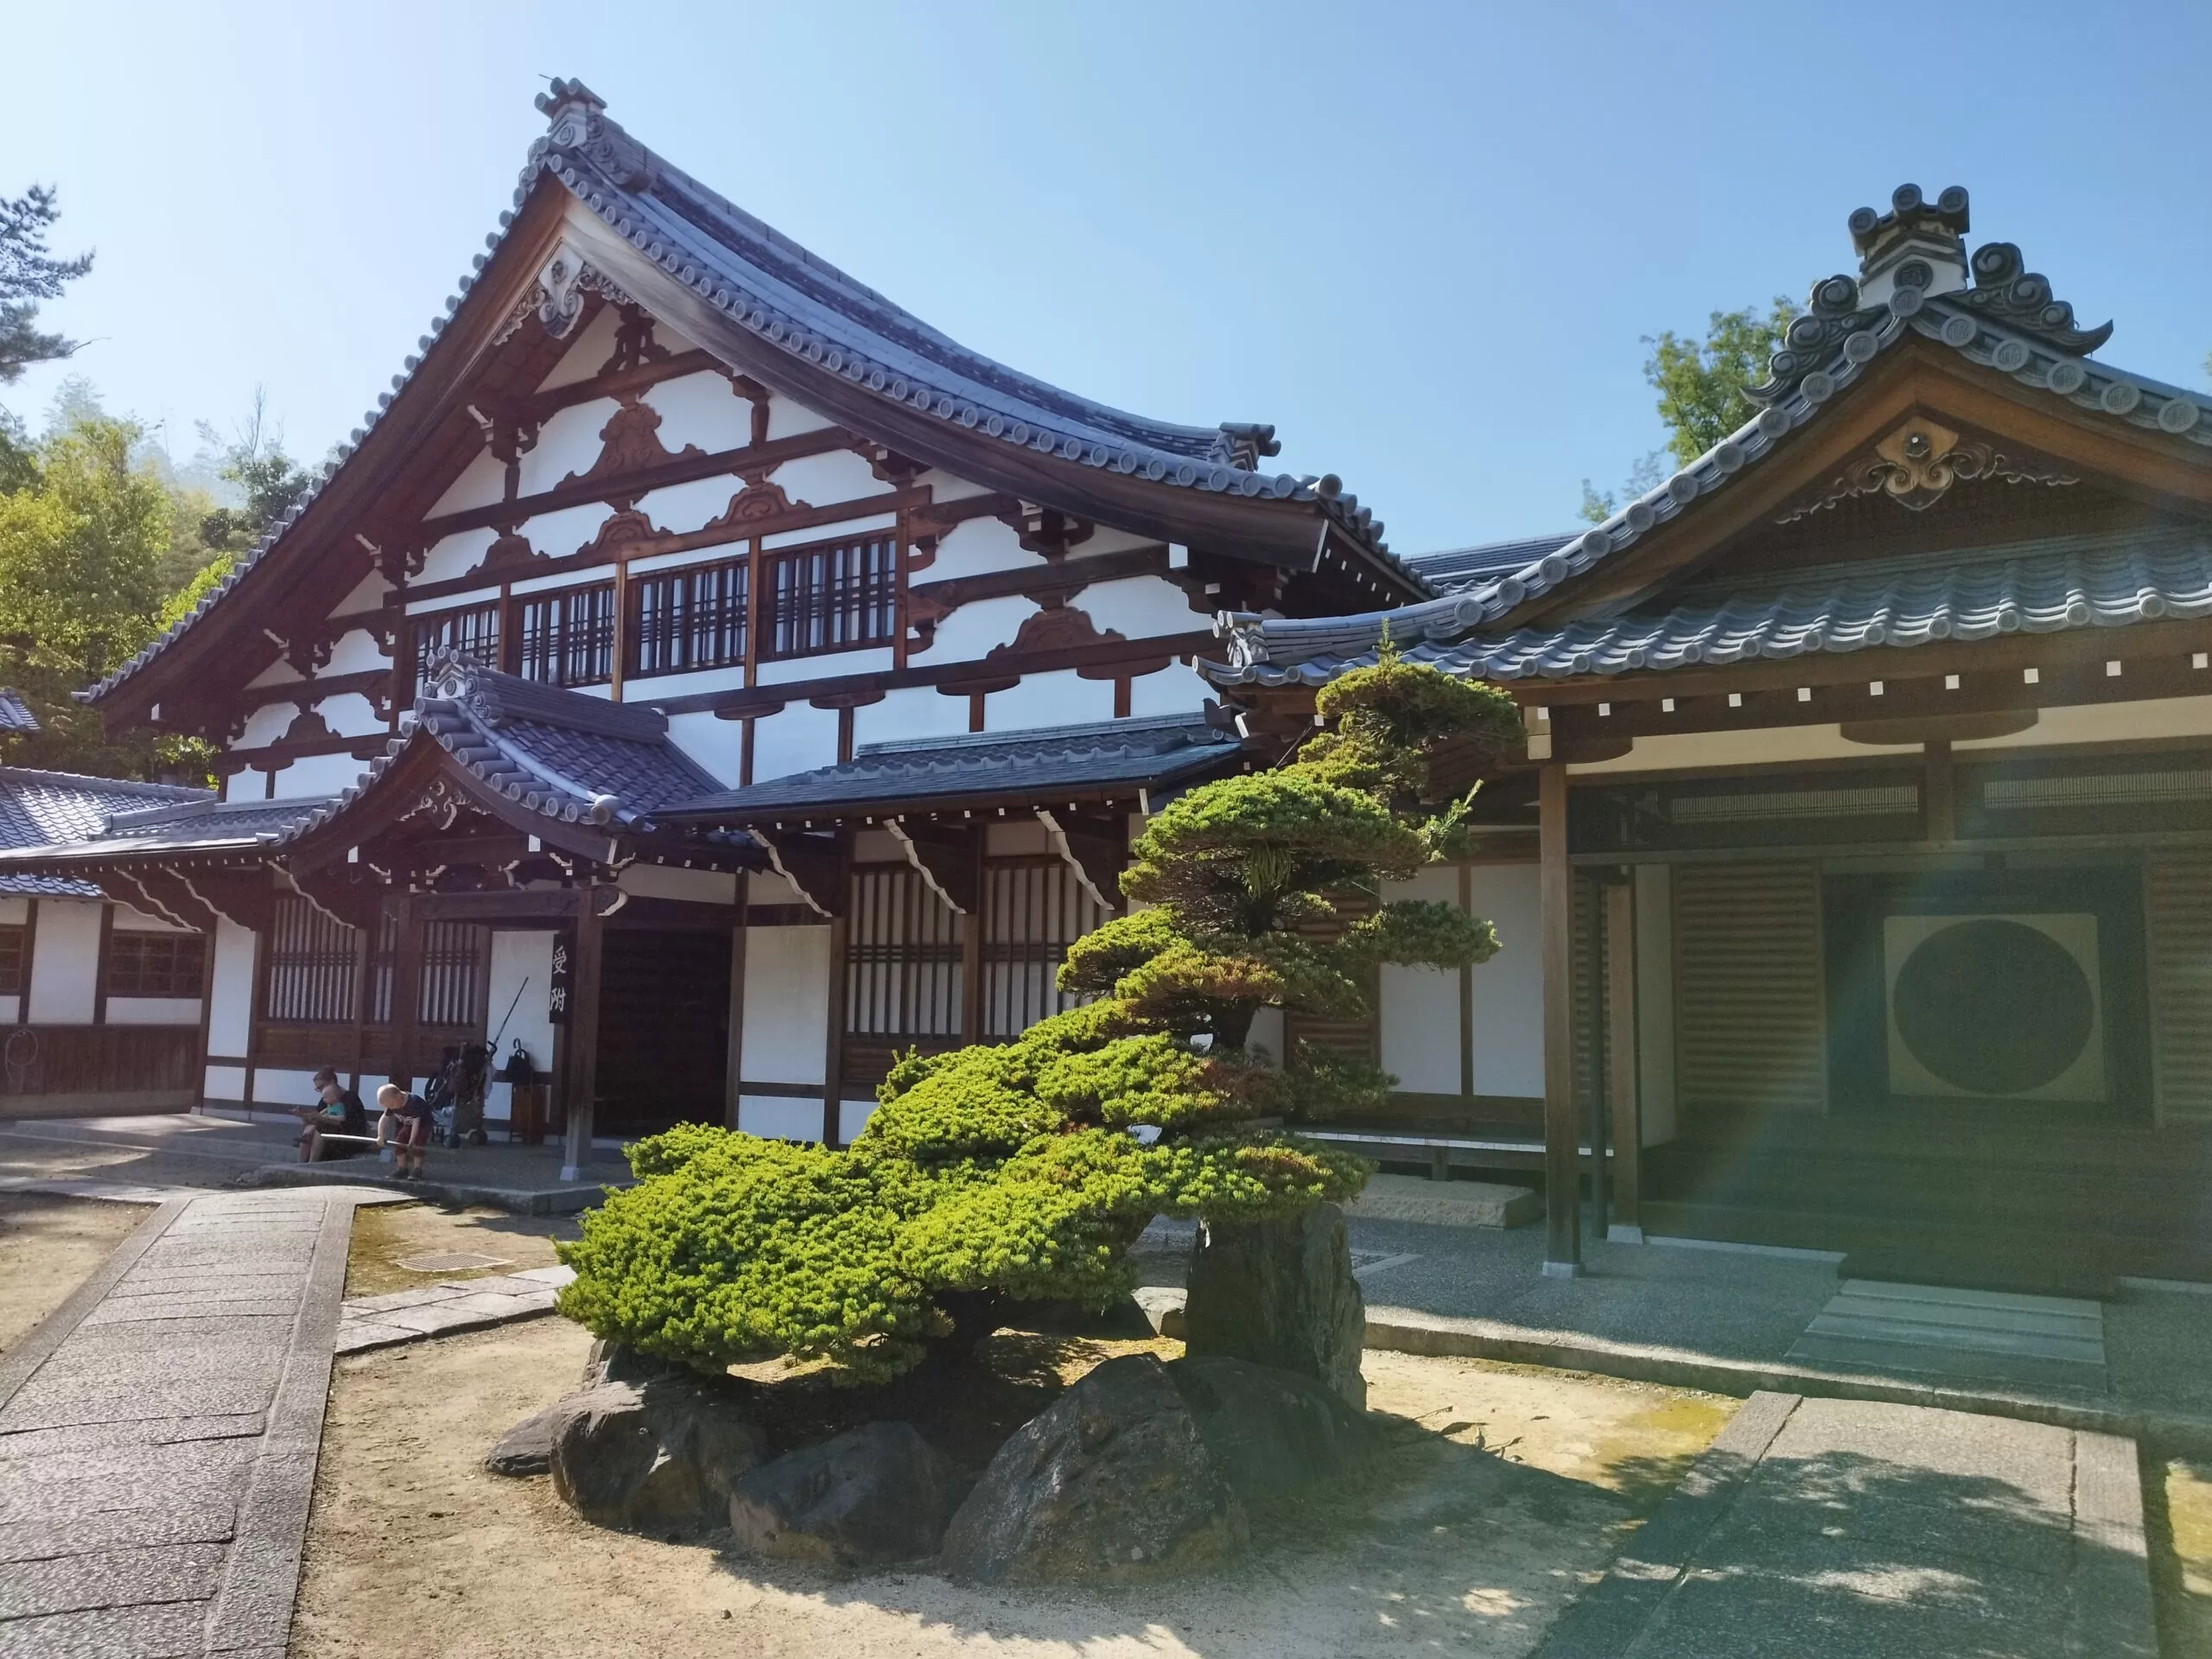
(14, 952)
(1034, 909)
(567, 637)
(835, 596)
(474, 632)
(903, 974)
(689, 618)
(314, 960)
(156, 964)
(451, 990)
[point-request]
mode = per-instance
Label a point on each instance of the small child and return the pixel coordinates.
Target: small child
(406, 1123)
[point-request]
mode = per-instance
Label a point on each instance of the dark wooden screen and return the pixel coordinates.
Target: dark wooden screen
(1749, 1027)
(663, 1029)
(14, 940)
(689, 618)
(2177, 911)
(313, 961)
(156, 964)
(1356, 1040)
(451, 990)
(838, 596)
(382, 955)
(1034, 909)
(567, 637)
(474, 632)
(902, 956)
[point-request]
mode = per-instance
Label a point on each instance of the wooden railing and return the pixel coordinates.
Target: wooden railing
(148, 1068)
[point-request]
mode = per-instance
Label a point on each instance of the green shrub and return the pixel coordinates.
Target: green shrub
(1024, 1170)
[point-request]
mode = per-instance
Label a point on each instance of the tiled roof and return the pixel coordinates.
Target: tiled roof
(39, 807)
(2007, 322)
(1454, 569)
(552, 751)
(2039, 588)
(14, 714)
(793, 300)
(1121, 756)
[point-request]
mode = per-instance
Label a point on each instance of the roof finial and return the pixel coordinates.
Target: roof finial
(1917, 244)
(562, 96)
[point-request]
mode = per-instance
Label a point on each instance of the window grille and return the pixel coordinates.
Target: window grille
(1874, 801)
(384, 956)
(903, 971)
(13, 954)
(567, 637)
(451, 989)
(839, 597)
(2098, 789)
(156, 964)
(1034, 909)
(311, 963)
(689, 619)
(474, 632)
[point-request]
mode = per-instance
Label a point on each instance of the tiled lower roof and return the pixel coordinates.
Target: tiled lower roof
(1122, 755)
(38, 807)
(2042, 587)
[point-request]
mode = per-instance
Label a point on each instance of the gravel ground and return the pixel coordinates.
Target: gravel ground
(47, 1247)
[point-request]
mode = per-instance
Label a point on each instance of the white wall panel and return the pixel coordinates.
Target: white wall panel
(799, 738)
(717, 744)
(1061, 698)
(279, 672)
(557, 535)
(788, 417)
(786, 1005)
(129, 920)
(702, 409)
(153, 1010)
(1509, 987)
(356, 652)
(483, 481)
(230, 991)
(978, 547)
(978, 627)
(351, 714)
(693, 887)
(368, 594)
(456, 555)
(274, 1088)
(779, 1117)
(1421, 1005)
(826, 480)
(686, 507)
(521, 966)
(1139, 607)
(912, 711)
(788, 670)
(318, 774)
(852, 1115)
(568, 442)
(65, 962)
(14, 908)
(1175, 690)
(224, 1083)
(586, 353)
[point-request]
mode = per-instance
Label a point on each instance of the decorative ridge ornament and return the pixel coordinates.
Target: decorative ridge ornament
(2006, 292)
(579, 123)
(1834, 314)
(1915, 467)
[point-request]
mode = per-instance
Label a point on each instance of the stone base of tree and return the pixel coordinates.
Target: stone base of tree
(1279, 1293)
(875, 1494)
(660, 1457)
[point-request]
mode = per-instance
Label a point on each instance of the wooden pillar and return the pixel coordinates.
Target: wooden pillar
(583, 1038)
(833, 1058)
(99, 964)
(406, 989)
(1939, 802)
(30, 966)
(1466, 994)
(736, 1078)
(1562, 1164)
(1625, 1215)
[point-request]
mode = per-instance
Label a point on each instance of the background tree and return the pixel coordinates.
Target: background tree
(1026, 1170)
(27, 274)
(1703, 390)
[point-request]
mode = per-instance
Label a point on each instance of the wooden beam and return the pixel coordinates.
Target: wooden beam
(1562, 1137)
(100, 964)
(1624, 1170)
(833, 1059)
(734, 1081)
(583, 1040)
(1939, 795)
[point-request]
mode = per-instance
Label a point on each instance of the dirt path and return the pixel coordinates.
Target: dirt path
(1487, 1525)
(387, 1235)
(48, 1247)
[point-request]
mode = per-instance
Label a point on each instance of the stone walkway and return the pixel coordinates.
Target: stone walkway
(452, 1306)
(1856, 1530)
(1972, 1336)
(159, 1432)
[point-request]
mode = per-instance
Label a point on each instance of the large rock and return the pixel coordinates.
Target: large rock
(1112, 1484)
(658, 1456)
(877, 1493)
(527, 1448)
(1274, 1435)
(1281, 1294)
(615, 1362)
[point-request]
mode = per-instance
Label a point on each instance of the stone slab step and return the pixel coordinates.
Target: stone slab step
(1444, 1204)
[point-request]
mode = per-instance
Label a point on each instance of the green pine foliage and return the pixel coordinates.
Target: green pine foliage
(1024, 1170)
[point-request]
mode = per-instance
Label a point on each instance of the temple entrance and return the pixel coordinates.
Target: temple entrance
(663, 1029)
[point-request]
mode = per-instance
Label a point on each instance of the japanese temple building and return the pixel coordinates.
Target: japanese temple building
(705, 673)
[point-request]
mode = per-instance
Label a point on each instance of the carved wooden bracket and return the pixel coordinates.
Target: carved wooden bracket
(631, 443)
(1046, 529)
(812, 864)
(634, 344)
(1093, 845)
(1915, 466)
(945, 857)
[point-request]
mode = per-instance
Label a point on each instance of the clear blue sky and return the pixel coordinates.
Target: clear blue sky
(1424, 240)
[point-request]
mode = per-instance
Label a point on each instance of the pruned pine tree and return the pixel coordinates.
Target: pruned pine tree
(1026, 1170)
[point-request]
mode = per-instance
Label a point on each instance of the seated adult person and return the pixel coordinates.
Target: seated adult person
(339, 1111)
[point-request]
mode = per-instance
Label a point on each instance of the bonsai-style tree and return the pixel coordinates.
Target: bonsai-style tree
(1026, 1170)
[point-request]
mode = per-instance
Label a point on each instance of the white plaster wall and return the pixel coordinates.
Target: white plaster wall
(686, 507)
(452, 601)
(1655, 1001)
(786, 1006)
(788, 417)
(799, 738)
(828, 664)
(246, 785)
(2110, 722)
(569, 530)
(568, 442)
(663, 881)
(1692, 751)
(912, 711)
(356, 652)
(350, 714)
(279, 672)
(1421, 1005)
(1509, 989)
(368, 594)
(273, 1088)
(129, 920)
(702, 409)
(824, 480)
(521, 964)
(1139, 607)
(458, 554)
(1061, 698)
(979, 627)
(65, 962)
(317, 774)
(859, 523)
(1268, 1033)
(975, 547)
(717, 744)
(151, 1010)
(230, 993)
(15, 909)
(265, 725)
(779, 1117)
(586, 353)
(1175, 690)
(226, 1084)
(483, 481)
(852, 1115)
(1017, 837)
(944, 486)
